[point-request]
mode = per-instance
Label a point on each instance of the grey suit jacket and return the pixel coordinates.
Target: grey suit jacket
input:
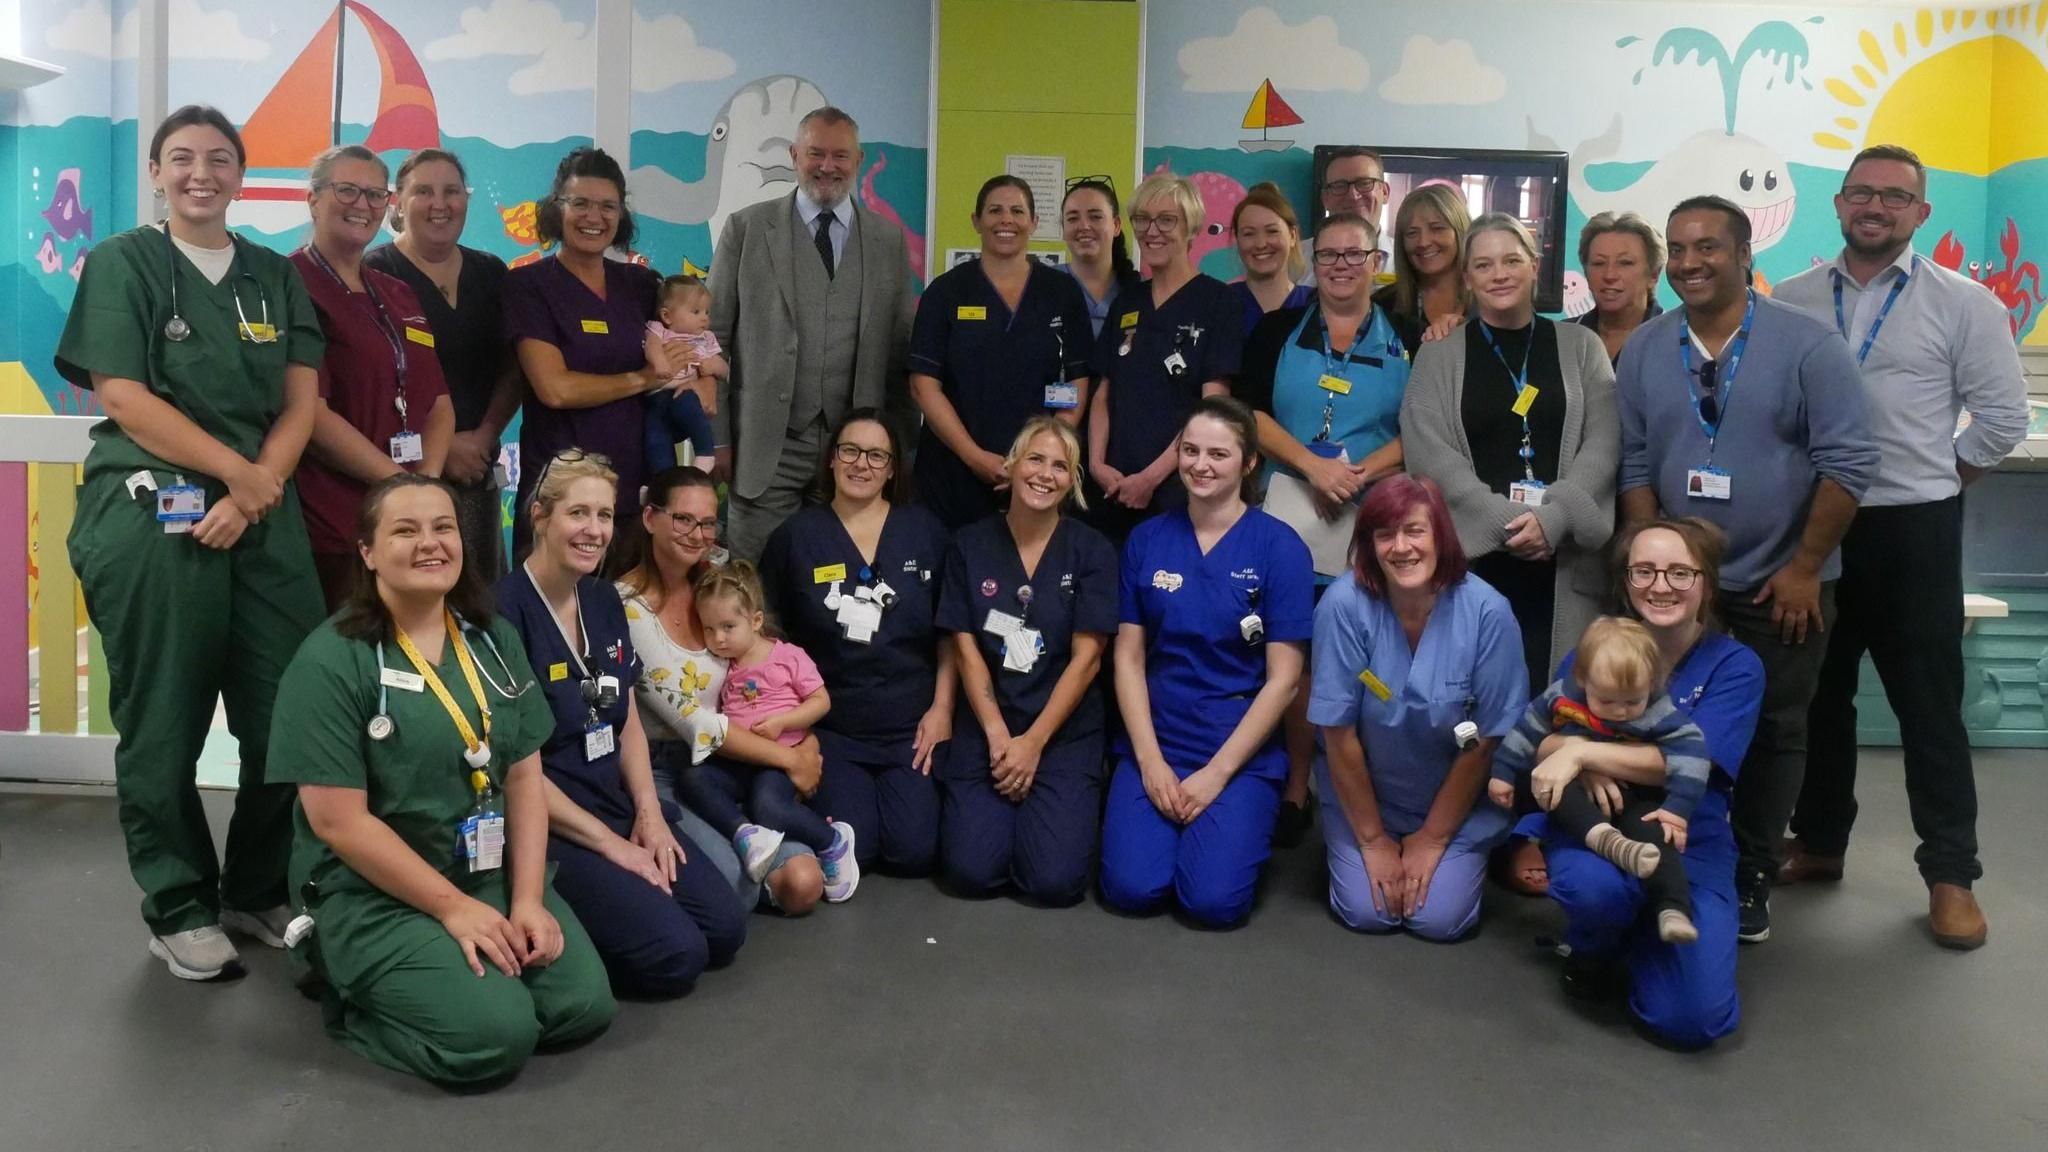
(753, 314)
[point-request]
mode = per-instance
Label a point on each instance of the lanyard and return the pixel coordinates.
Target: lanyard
(582, 665)
(433, 679)
(1520, 378)
(1732, 351)
(1884, 310)
(384, 325)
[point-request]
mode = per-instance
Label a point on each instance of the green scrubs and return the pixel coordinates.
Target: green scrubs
(398, 988)
(186, 625)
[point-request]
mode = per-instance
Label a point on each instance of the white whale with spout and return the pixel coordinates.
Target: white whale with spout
(1741, 168)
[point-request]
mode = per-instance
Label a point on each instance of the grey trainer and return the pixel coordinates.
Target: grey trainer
(200, 954)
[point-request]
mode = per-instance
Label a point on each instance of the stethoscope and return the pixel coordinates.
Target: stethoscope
(177, 331)
(381, 725)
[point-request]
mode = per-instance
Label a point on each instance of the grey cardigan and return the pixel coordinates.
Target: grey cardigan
(1577, 513)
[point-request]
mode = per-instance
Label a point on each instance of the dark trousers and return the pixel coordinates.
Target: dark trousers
(1901, 600)
(672, 417)
(1768, 785)
(1577, 814)
(653, 943)
(716, 788)
(1531, 590)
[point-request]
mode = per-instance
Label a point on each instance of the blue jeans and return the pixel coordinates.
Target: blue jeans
(673, 416)
(716, 789)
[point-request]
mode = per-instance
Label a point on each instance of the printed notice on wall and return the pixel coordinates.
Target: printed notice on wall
(1047, 176)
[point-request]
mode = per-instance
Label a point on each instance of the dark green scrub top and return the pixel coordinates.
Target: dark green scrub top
(229, 385)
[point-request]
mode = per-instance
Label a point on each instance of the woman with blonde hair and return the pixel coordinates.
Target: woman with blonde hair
(1030, 600)
(1429, 257)
(1268, 237)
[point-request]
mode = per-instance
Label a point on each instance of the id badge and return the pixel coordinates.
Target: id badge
(598, 741)
(180, 506)
(1176, 364)
(1528, 493)
(1709, 483)
(1021, 649)
(407, 448)
(1062, 396)
(500, 478)
(1336, 384)
(486, 842)
(1002, 624)
(859, 619)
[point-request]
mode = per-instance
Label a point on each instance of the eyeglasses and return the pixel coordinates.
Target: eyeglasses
(877, 458)
(609, 209)
(1074, 182)
(1361, 188)
(1889, 197)
(354, 193)
(684, 524)
(1710, 384)
(1355, 257)
(1681, 578)
(1145, 222)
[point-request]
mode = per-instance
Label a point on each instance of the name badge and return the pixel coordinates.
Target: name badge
(402, 680)
(1062, 396)
(1127, 321)
(558, 671)
(970, 312)
(179, 507)
(859, 618)
(1528, 493)
(828, 574)
(1375, 685)
(1337, 384)
(1709, 484)
(598, 741)
(407, 448)
(420, 336)
(1021, 650)
(1524, 400)
(483, 841)
(259, 333)
(1002, 624)
(597, 328)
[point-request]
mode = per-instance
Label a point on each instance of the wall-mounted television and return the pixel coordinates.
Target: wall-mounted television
(1527, 185)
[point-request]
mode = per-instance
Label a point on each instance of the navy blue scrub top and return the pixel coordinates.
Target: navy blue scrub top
(1147, 403)
(880, 689)
(595, 785)
(1254, 312)
(993, 365)
(1073, 590)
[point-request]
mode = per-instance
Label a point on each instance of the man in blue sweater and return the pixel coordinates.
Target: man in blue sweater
(1750, 414)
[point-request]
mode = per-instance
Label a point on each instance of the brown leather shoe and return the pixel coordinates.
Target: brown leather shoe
(1801, 866)
(1953, 914)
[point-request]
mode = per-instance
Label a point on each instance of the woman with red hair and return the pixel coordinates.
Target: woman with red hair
(1418, 673)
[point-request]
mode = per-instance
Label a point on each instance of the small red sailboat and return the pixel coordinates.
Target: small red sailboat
(1266, 111)
(301, 117)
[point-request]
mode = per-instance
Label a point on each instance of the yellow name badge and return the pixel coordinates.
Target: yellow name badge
(597, 328)
(827, 573)
(1525, 400)
(971, 312)
(420, 336)
(558, 671)
(1128, 320)
(259, 333)
(1374, 685)
(1337, 384)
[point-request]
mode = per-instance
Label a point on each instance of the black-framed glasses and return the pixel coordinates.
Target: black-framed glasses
(1167, 222)
(1644, 576)
(1363, 187)
(349, 193)
(1710, 393)
(877, 458)
(1355, 257)
(1889, 197)
(684, 524)
(1103, 178)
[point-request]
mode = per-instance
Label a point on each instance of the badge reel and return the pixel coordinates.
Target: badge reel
(1022, 644)
(1253, 626)
(601, 695)
(860, 615)
(1466, 732)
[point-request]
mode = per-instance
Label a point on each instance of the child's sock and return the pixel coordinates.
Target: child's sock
(1635, 857)
(842, 871)
(757, 847)
(1675, 927)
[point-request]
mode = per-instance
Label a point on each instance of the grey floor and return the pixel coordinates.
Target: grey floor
(907, 1020)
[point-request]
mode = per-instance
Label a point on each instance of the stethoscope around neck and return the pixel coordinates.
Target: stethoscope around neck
(177, 330)
(382, 726)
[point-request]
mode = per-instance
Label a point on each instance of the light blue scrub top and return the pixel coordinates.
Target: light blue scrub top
(1468, 666)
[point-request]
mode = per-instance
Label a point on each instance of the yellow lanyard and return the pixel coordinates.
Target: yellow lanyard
(476, 688)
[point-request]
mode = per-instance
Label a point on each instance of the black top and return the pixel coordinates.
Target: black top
(1591, 319)
(469, 338)
(1491, 426)
(1408, 327)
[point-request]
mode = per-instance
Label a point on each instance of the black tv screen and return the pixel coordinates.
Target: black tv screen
(1529, 186)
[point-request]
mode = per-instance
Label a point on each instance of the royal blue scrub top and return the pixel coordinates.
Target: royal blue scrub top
(1073, 590)
(1284, 370)
(1253, 312)
(1467, 666)
(1200, 671)
(595, 785)
(882, 688)
(1148, 402)
(993, 365)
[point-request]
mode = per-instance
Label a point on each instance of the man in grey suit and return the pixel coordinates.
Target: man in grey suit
(811, 297)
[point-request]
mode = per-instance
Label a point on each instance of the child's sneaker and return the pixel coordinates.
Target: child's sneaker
(757, 847)
(842, 871)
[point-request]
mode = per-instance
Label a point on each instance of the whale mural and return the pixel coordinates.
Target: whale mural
(746, 157)
(1741, 168)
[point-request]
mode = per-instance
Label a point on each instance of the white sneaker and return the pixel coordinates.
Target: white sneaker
(842, 871)
(266, 927)
(757, 847)
(200, 954)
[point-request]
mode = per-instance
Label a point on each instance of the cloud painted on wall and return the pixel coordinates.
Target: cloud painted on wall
(564, 52)
(1443, 72)
(196, 34)
(1309, 55)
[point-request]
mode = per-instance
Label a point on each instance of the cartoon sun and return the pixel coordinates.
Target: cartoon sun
(1930, 85)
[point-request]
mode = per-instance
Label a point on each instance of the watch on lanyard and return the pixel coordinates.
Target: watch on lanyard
(407, 447)
(1884, 310)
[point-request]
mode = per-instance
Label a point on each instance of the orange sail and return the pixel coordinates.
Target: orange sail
(1268, 110)
(406, 117)
(295, 121)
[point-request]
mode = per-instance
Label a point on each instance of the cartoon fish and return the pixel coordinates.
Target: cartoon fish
(1741, 168)
(67, 214)
(48, 256)
(873, 202)
(746, 159)
(690, 269)
(1220, 196)
(521, 222)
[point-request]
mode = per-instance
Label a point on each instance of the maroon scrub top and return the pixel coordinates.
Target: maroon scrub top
(359, 381)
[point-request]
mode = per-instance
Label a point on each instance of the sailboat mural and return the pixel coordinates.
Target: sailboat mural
(301, 117)
(1267, 111)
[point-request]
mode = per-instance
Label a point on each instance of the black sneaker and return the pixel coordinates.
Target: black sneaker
(1592, 979)
(1753, 894)
(1291, 827)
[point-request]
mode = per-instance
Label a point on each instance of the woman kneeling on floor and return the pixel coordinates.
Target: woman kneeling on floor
(414, 726)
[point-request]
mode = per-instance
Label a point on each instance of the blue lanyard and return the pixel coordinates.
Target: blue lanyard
(1732, 353)
(1521, 381)
(1884, 310)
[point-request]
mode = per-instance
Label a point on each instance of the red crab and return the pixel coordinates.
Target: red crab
(2017, 285)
